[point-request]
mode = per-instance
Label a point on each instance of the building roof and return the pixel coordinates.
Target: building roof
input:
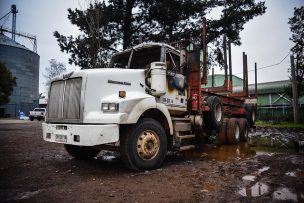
(270, 87)
(219, 80)
(5, 40)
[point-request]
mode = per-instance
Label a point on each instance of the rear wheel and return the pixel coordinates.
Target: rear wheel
(216, 112)
(222, 136)
(144, 146)
(81, 152)
(243, 129)
(251, 114)
(233, 131)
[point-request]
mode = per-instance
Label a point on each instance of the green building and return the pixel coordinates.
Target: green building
(219, 80)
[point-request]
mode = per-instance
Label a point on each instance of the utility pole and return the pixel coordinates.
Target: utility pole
(294, 92)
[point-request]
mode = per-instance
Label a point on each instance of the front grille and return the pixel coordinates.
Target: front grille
(64, 100)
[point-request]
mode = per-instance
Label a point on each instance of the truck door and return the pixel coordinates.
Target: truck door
(175, 97)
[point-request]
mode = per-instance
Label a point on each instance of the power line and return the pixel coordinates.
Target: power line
(267, 66)
(5, 17)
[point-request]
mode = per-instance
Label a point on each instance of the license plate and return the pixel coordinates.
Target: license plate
(61, 138)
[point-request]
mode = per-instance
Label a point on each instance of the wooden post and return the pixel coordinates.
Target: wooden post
(255, 80)
(294, 92)
(212, 78)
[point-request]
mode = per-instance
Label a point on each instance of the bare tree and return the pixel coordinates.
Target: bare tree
(55, 69)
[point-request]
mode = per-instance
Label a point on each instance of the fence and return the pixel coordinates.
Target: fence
(278, 113)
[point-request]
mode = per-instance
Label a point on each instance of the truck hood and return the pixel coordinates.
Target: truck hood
(84, 92)
(103, 85)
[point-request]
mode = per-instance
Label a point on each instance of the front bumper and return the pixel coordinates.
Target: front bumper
(82, 135)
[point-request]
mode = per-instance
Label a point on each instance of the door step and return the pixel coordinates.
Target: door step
(183, 136)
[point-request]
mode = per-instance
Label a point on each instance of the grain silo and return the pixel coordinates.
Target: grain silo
(24, 65)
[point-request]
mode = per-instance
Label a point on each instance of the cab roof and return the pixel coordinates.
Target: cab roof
(147, 45)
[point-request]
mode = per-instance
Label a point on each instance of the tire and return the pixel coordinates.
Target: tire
(244, 129)
(222, 136)
(81, 152)
(233, 131)
(31, 118)
(215, 119)
(144, 145)
(251, 114)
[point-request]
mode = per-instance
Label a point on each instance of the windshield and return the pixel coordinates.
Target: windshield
(140, 58)
(120, 60)
(39, 109)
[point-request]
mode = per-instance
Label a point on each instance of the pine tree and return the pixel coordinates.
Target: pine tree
(119, 23)
(7, 83)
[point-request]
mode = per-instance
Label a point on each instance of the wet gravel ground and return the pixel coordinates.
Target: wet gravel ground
(32, 170)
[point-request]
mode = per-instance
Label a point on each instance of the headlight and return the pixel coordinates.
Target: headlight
(109, 107)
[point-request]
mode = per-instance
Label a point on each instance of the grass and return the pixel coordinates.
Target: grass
(285, 125)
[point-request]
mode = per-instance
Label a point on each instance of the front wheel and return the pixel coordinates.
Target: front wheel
(81, 152)
(144, 145)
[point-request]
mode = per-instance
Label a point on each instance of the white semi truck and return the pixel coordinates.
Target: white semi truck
(147, 102)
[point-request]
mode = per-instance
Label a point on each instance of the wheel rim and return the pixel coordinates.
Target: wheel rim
(148, 145)
(237, 132)
(218, 112)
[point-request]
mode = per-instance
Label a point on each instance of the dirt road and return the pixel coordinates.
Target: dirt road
(32, 170)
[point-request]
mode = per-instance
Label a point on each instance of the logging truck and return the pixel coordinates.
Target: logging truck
(151, 99)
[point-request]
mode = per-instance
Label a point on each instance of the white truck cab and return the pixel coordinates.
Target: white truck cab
(131, 103)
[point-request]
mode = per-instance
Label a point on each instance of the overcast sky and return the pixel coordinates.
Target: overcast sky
(265, 39)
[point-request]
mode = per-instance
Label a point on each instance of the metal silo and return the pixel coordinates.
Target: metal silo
(24, 65)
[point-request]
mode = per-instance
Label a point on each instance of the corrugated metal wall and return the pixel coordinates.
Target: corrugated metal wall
(24, 65)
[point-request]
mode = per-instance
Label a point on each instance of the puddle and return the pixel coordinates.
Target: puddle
(234, 152)
(256, 190)
(110, 156)
(271, 150)
(27, 195)
(265, 168)
(292, 174)
(297, 173)
(297, 160)
(250, 178)
(221, 153)
(284, 194)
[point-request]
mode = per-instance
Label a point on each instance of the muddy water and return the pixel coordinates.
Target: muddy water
(259, 189)
(256, 190)
(233, 152)
(221, 153)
